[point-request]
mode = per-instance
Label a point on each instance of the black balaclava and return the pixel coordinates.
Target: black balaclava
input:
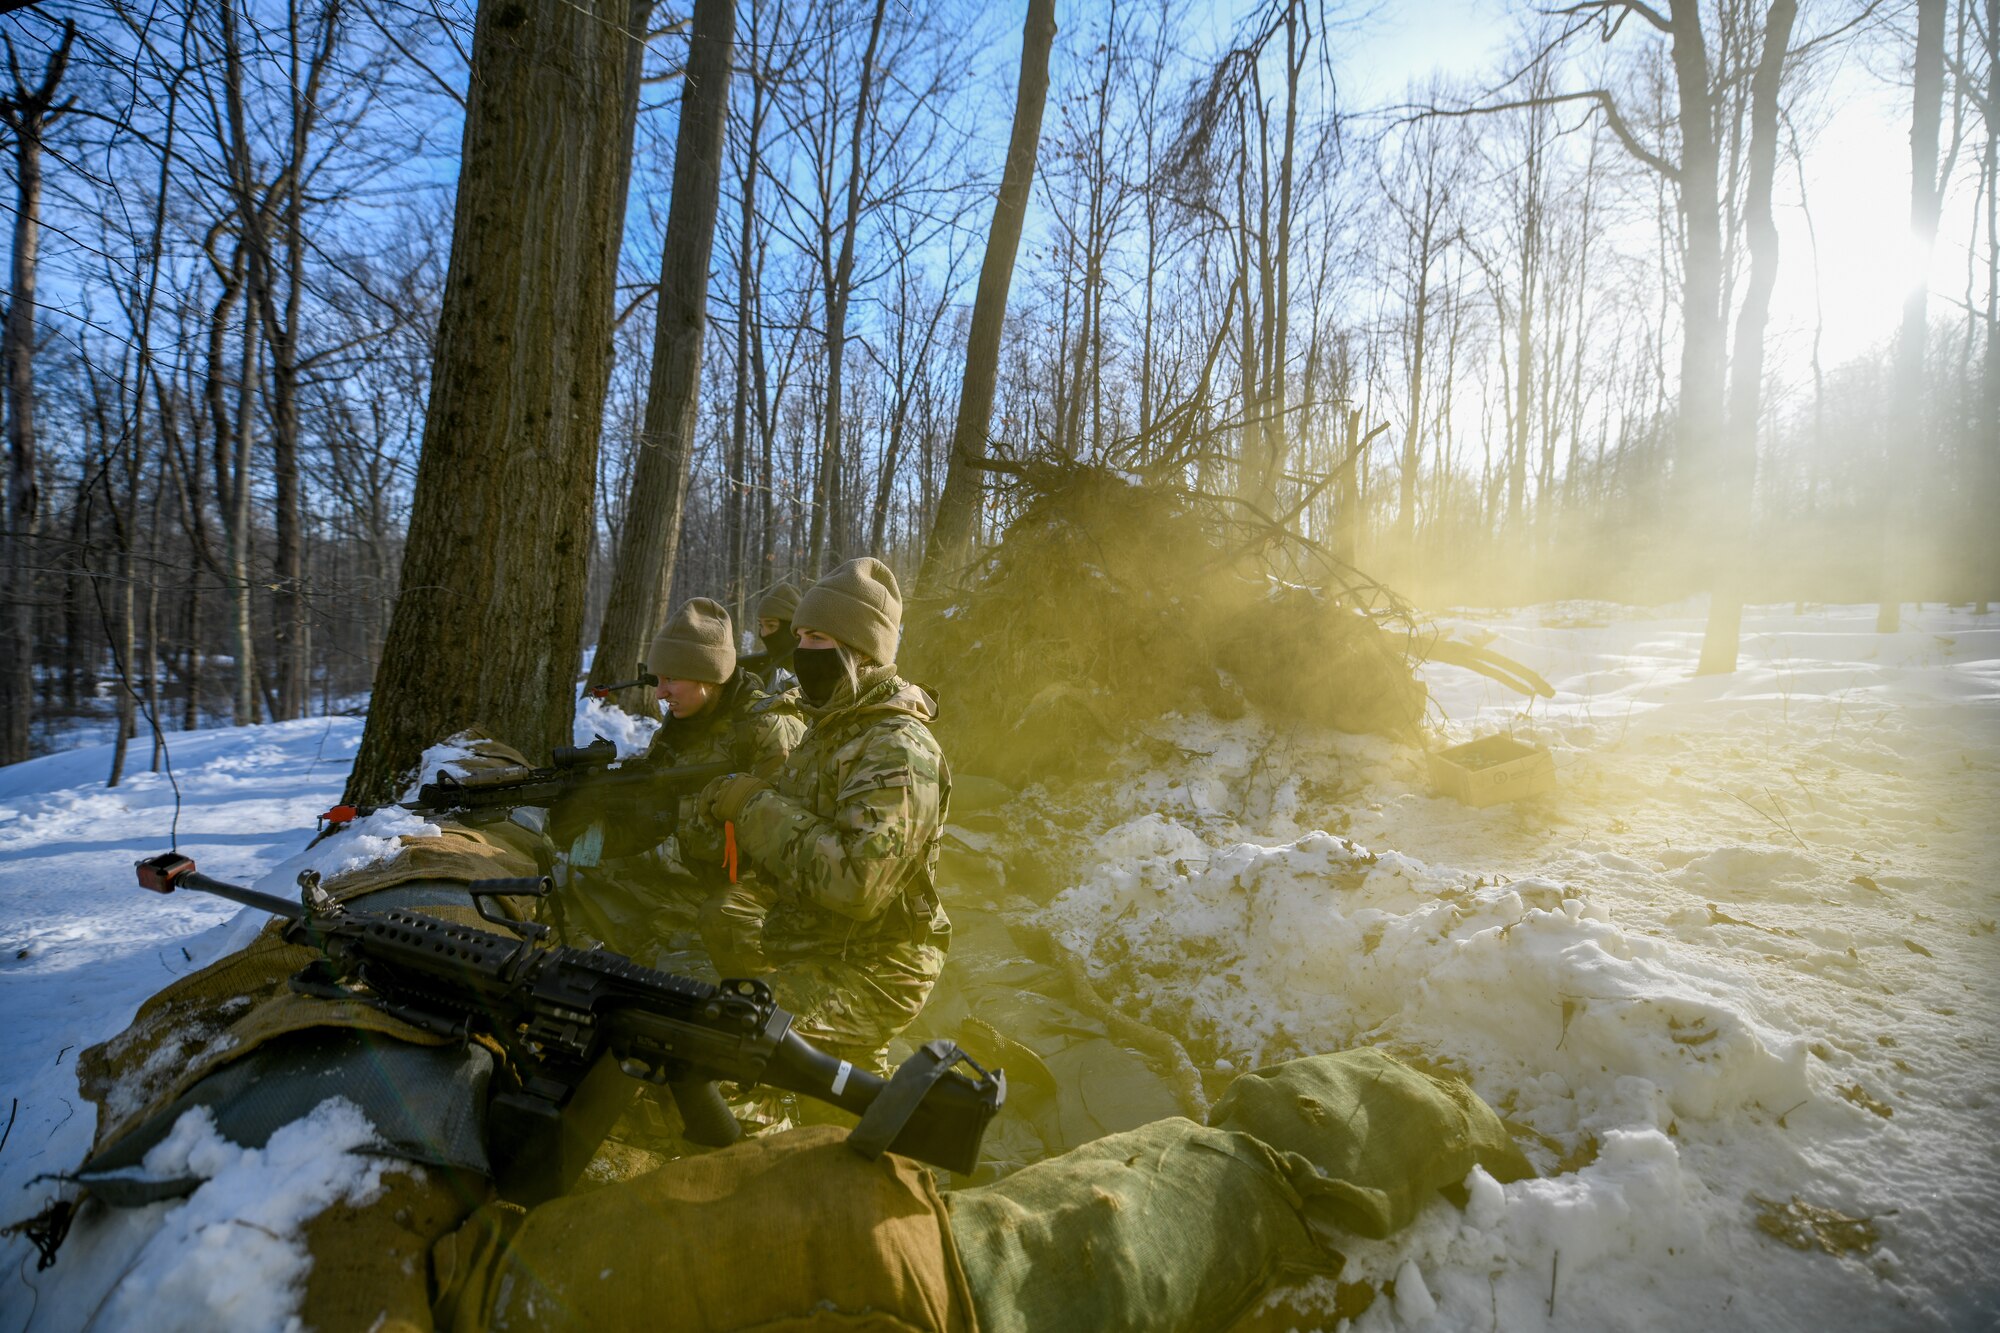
(778, 647)
(819, 672)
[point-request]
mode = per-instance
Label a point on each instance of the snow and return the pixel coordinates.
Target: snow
(1747, 952)
(628, 731)
(81, 945)
(229, 1255)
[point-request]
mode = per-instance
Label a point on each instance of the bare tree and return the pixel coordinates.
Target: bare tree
(958, 505)
(26, 112)
(1926, 207)
(1737, 468)
(651, 538)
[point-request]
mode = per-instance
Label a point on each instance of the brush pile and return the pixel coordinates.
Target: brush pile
(1115, 598)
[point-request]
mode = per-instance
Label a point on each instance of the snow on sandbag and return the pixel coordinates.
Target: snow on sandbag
(234, 1253)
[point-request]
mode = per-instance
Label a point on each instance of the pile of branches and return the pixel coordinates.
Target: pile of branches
(1120, 594)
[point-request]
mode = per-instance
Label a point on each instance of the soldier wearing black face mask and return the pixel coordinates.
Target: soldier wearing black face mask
(845, 835)
(774, 631)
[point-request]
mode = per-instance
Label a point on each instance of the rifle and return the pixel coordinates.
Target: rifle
(557, 1012)
(572, 769)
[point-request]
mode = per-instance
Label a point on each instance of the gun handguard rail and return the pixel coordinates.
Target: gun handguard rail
(557, 1010)
(587, 766)
(574, 768)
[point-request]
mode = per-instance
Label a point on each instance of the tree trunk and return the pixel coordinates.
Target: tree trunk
(293, 628)
(236, 512)
(1703, 352)
(27, 114)
(1988, 543)
(1898, 499)
(1347, 492)
(958, 505)
(746, 328)
(1406, 502)
(489, 622)
(829, 527)
(1737, 467)
(644, 572)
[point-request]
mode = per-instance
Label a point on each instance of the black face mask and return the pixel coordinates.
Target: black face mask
(819, 671)
(779, 645)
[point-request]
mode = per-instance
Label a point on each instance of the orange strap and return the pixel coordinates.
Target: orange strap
(729, 848)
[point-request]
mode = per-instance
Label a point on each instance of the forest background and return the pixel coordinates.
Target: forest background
(1453, 290)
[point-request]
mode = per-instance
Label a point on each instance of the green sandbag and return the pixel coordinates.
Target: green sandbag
(1387, 1136)
(1177, 1225)
(1170, 1226)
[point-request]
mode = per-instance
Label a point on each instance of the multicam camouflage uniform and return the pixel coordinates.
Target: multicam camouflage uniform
(847, 841)
(642, 897)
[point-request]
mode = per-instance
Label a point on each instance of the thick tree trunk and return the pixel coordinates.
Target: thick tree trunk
(489, 623)
(647, 548)
(17, 680)
(26, 113)
(958, 505)
(1897, 501)
(1737, 466)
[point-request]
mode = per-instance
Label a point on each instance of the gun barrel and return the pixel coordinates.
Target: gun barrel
(946, 1127)
(288, 908)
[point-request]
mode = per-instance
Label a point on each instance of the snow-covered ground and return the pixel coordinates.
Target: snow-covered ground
(1747, 952)
(1745, 955)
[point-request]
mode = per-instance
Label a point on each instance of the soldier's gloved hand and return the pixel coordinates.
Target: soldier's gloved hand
(725, 797)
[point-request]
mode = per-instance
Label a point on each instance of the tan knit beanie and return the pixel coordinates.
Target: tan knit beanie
(697, 644)
(779, 603)
(859, 604)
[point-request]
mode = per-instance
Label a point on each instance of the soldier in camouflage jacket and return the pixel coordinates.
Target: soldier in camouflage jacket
(845, 836)
(637, 892)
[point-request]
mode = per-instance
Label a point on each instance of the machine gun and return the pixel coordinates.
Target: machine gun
(563, 1016)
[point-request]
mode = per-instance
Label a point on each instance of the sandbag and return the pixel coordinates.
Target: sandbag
(793, 1232)
(1387, 1136)
(242, 1002)
(1177, 1225)
(236, 1005)
(371, 1261)
(1171, 1226)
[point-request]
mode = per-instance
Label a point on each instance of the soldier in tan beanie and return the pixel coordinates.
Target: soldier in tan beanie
(845, 835)
(859, 604)
(693, 657)
(644, 870)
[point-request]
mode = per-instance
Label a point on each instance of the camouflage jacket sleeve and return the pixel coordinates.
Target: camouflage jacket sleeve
(774, 735)
(857, 860)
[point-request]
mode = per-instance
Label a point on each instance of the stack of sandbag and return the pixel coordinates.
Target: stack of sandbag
(1172, 1226)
